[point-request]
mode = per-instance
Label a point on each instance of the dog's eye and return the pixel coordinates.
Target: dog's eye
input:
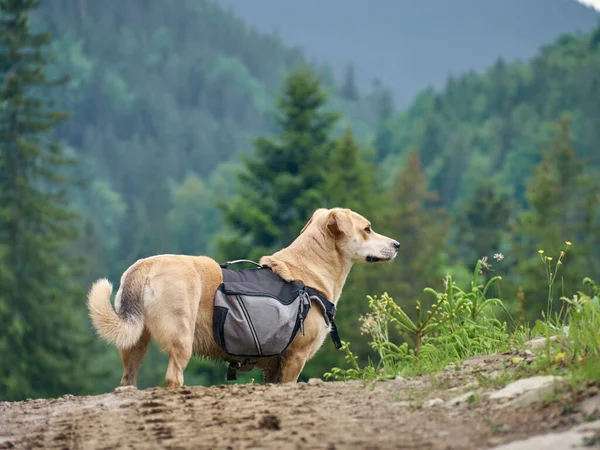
(368, 230)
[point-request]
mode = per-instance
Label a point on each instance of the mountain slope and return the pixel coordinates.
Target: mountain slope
(497, 123)
(411, 45)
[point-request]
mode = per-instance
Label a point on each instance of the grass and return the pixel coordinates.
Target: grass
(462, 323)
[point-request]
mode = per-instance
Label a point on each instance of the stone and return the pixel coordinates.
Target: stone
(314, 381)
(576, 437)
(494, 375)
(591, 406)
(471, 385)
(464, 398)
(539, 342)
(433, 402)
(539, 384)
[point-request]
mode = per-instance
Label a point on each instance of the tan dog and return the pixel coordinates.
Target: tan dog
(170, 297)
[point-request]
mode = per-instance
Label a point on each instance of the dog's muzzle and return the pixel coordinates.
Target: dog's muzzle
(387, 254)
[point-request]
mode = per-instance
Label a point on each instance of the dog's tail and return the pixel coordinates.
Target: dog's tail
(122, 328)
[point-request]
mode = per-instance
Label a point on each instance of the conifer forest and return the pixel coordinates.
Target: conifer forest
(143, 127)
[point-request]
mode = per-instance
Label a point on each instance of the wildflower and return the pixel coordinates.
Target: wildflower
(541, 252)
(549, 258)
(498, 256)
(568, 243)
(368, 324)
(559, 356)
(484, 264)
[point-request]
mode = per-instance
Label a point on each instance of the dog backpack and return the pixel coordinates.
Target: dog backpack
(257, 313)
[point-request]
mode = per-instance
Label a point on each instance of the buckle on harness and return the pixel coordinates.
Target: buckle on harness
(305, 306)
(235, 366)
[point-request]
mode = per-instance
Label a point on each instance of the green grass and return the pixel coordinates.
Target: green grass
(462, 323)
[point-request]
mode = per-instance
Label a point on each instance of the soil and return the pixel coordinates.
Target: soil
(411, 414)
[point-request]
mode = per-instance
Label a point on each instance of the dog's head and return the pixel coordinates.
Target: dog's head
(352, 235)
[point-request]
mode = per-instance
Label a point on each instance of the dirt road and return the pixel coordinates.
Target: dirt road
(334, 415)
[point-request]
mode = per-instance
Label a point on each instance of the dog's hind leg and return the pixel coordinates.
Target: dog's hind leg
(179, 357)
(133, 358)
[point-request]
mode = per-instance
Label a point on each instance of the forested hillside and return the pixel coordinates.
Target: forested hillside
(161, 97)
(494, 124)
(482, 135)
(192, 133)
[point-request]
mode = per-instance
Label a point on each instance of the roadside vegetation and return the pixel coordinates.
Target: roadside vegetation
(460, 322)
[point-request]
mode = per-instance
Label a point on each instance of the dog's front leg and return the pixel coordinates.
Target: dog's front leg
(291, 366)
(272, 370)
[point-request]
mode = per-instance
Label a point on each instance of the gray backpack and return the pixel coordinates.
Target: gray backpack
(257, 314)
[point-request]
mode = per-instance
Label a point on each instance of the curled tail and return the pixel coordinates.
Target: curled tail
(123, 328)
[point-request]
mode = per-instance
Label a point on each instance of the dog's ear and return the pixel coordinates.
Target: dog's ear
(307, 224)
(339, 223)
(311, 220)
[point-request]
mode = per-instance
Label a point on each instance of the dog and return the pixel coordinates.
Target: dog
(170, 298)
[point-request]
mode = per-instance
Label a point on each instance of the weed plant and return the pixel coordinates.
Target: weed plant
(461, 324)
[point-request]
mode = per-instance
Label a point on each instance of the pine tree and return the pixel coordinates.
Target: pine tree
(283, 181)
(422, 230)
(352, 180)
(562, 205)
(482, 223)
(187, 218)
(349, 89)
(40, 343)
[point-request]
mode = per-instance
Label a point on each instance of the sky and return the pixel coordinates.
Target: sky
(413, 44)
(593, 3)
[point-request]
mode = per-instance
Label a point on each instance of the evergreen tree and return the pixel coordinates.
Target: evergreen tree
(40, 348)
(284, 180)
(430, 139)
(481, 223)
(382, 102)
(188, 217)
(349, 89)
(352, 178)
(422, 230)
(562, 205)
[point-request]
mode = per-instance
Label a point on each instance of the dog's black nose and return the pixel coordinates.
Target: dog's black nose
(396, 244)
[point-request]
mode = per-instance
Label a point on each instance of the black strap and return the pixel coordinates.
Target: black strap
(330, 311)
(235, 366)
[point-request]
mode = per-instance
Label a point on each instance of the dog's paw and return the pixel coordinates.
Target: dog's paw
(124, 389)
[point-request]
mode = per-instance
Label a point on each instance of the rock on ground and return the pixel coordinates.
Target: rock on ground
(581, 436)
(539, 385)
